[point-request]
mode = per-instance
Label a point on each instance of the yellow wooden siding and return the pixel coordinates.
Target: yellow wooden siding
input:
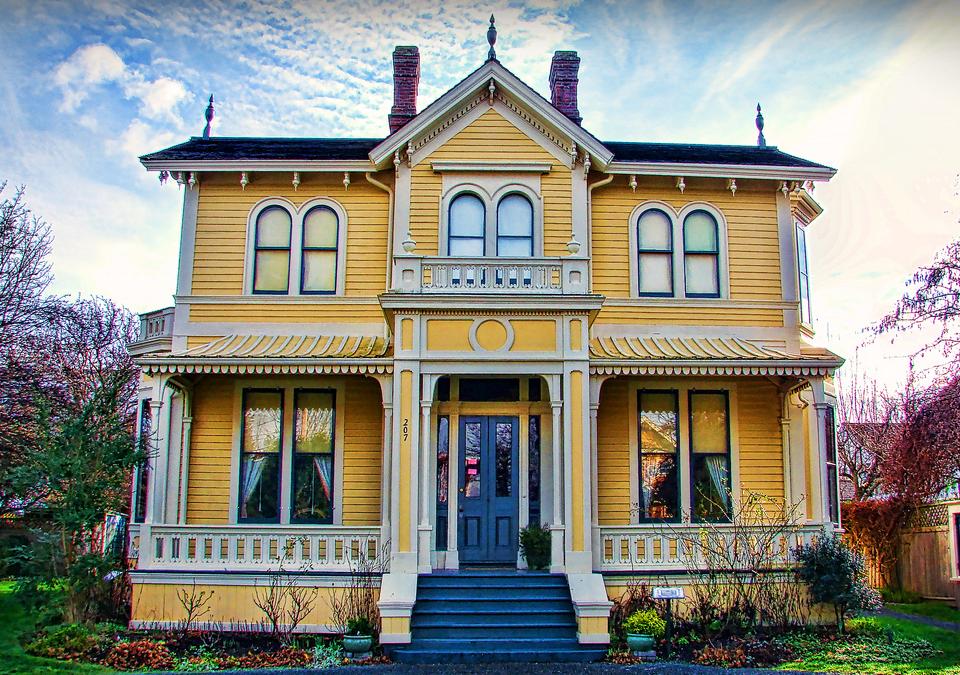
(491, 137)
(761, 444)
(697, 316)
(211, 443)
(613, 453)
(223, 210)
(259, 312)
(752, 236)
(362, 443)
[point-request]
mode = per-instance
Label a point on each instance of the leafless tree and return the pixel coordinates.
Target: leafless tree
(869, 424)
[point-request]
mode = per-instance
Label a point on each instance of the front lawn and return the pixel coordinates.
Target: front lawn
(13, 660)
(881, 657)
(931, 608)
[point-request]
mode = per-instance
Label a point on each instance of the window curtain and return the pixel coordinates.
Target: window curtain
(717, 467)
(252, 471)
(321, 464)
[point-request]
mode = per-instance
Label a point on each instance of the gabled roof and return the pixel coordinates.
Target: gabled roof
(691, 153)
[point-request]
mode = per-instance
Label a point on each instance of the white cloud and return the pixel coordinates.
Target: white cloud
(158, 98)
(85, 69)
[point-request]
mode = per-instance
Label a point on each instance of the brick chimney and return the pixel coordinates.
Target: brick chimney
(406, 81)
(563, 84)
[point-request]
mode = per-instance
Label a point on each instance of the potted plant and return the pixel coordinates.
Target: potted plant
(535, 546)
(358, 637)
(643, 628)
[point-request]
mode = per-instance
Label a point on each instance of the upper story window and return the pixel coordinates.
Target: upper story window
(293, 251)
(701, 255)
(661, 268)
(515, 227)
(506, 223)
(655, 254)
(803, 274)
(271, 268)
(467, 226)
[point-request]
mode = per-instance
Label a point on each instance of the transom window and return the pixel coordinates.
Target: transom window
(296, 251)
(504, 226)
(662, 269)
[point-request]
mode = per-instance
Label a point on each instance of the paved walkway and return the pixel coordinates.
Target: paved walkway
(524, 668)
(927, 620)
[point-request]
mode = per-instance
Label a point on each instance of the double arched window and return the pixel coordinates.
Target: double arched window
(296, 251)
(660, 269)
(511, 235)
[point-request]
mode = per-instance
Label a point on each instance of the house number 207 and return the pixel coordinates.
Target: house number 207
(405, 429)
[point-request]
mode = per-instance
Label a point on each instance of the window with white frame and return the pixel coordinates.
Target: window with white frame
(833, 477)
(293, 454)
(678, 255)
(684, 457)
(295, 251)
(141, 474)
(803, 274)
(505, 224)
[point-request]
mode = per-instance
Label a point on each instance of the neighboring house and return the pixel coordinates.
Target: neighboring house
(421, 343)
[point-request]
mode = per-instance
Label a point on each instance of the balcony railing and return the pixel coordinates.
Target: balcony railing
(255, 547)
(694, 547)
(553, 276)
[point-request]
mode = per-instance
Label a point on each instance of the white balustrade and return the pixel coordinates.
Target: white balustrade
(668, 547)
(156, 324)
(491, 275)
(258, 547)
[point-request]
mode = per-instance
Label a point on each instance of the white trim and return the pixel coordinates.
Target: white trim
(240, 366)
(296, 248)
(249, 298)
(811, 367)
(248, 165)
(720, 170)
(188, 236)
(490, 189)
(307, 578)
(514, 166)
(471, 86)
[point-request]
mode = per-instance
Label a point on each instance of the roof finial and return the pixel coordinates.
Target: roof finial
(208, 114)
(761, 141)
(492, 39)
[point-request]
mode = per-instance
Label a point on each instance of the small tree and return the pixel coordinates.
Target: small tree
(834, 575)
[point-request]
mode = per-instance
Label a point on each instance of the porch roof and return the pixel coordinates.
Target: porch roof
(726, 355)
(279, 354)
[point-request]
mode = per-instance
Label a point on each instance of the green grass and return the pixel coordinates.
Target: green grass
(931, 608)
(13, 660)
(947, 662)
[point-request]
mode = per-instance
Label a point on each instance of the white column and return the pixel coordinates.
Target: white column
(185, 468)
(596, 383)
(818, 451)
(424, 529)
(453, 493)
(557, 470)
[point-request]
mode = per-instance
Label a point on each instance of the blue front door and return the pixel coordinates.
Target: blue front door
(488, 504)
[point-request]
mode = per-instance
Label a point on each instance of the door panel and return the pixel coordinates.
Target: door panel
(488, 506)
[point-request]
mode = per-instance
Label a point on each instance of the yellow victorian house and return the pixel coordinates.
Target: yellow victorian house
(412, 347)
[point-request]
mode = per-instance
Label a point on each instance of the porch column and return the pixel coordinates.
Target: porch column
(816, 430)
(576, 470)
(185, 467)
(160, 419)
(596, 383)
(386, 394)
(425, 529)
(556, 525)
(453, 492)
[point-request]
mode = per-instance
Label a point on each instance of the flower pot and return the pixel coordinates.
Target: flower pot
(637, 642)
(357, 644)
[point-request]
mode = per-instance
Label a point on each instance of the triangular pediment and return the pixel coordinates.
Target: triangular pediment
(489, 85)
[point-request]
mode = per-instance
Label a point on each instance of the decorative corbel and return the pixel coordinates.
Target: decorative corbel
(796, 186)
(785, 189)
(732, 186)
(573, 151)
(408, 244)
(296, 181)
(179, 178)
(346, 180)
(808, 186)
(492, 88)
(163, 177)
(396, 161)
(680, 184)
(633, 182)
(193, 179)
(409, 153)
(586, 165)
(573, 246)
(244, 180)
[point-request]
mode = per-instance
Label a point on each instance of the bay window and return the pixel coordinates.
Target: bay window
(803, 274)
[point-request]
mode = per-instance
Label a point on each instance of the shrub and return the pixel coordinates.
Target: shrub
(359, 625)
(724, 657)
(286, 657)
(900, 596)
(866, 626)
(75, 642)
(645, 622)
(326, 655)
(139, 655)
(834, 575)
(535, 546)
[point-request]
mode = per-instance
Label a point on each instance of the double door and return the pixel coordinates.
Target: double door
(488, 506)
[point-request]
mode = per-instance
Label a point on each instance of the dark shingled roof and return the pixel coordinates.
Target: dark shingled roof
(690, 153)
(229, 148)
(307, 149)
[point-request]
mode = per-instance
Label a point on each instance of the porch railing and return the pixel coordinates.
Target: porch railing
(494, 275)
(255, 547)
(672, 548)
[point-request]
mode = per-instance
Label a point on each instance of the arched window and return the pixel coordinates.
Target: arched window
(515, 227)
(655, 254)
(271, 268)
(701, 255)
(321, 231)
(466, 226)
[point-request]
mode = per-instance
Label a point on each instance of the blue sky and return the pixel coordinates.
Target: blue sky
(869, 88)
